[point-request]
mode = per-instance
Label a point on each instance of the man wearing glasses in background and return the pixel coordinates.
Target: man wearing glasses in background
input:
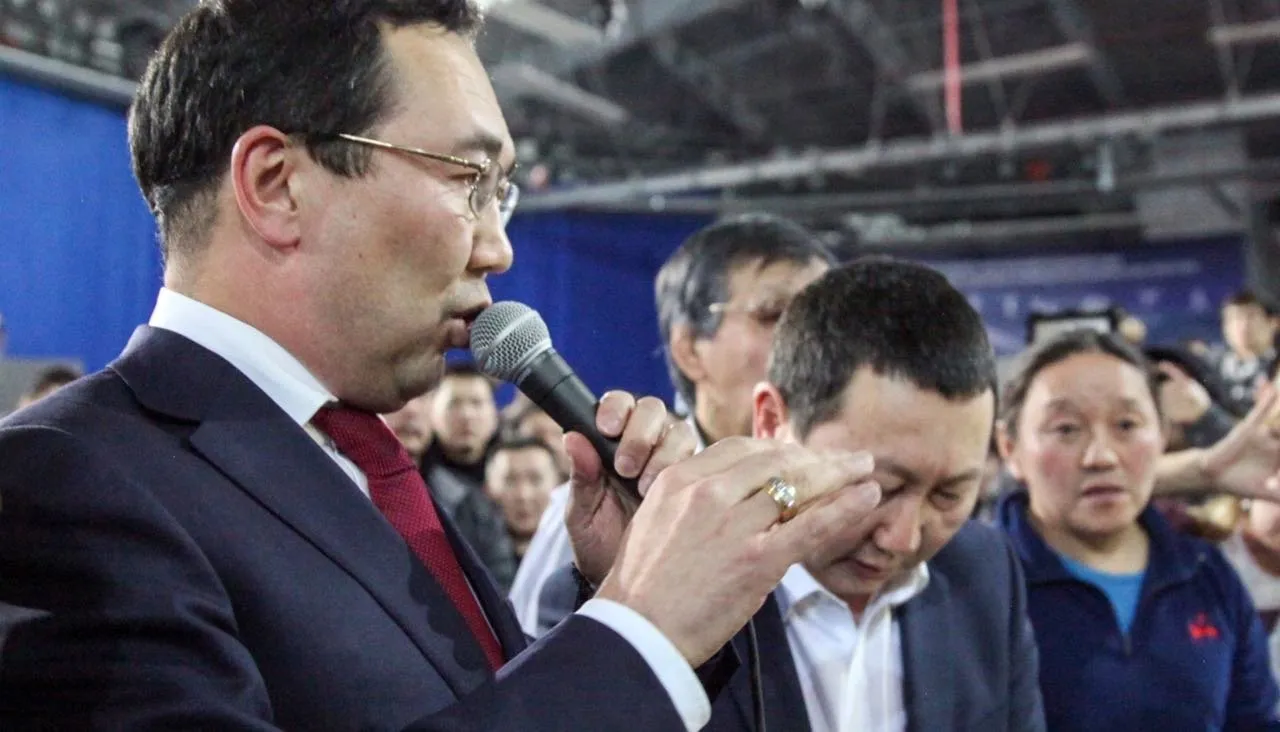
(719, 296)
(219, 532)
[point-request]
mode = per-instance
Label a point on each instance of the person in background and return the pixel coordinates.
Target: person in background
(1253, 549)
(531, 422)
(519, 476)
(1139, 627)
(464, 415)
(1130, 327)
(412, 425)
(47, 382)
(919, 622)
(993, 485)
(719, 297)
(1249, 333)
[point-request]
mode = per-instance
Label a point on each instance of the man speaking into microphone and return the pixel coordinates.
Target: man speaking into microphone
(218, 532)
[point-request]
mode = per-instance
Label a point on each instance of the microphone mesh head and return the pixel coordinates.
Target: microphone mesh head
(506, 337)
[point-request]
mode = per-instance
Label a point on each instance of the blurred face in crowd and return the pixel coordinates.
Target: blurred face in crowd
(930, 454)
(520, 482)
(726, 366)
(1086, 445)
(380, 273)
(412, 424)
(1247, 329)
(465, 417)
(536, 424)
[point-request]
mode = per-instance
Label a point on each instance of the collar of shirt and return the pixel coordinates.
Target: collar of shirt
(800, 591)
(697, 434)
(266, 363)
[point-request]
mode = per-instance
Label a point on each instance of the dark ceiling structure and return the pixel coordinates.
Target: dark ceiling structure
(1054, 113)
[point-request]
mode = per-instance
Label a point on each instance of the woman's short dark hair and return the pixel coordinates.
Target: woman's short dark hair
(1058, 349)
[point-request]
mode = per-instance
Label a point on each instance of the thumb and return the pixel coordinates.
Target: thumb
(585, 475)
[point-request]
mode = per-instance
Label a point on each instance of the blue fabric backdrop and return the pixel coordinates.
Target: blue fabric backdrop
(79, 267)
(591, 277)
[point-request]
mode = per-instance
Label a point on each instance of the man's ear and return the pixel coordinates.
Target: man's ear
(685, 355)
(1004, 443)
(769, 418)
(263, 166)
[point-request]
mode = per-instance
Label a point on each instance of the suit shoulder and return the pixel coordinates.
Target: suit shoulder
(977, 553)
(69, 406)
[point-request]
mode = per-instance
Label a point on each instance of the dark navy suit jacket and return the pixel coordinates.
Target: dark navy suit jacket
(176, 553)
(969, 658)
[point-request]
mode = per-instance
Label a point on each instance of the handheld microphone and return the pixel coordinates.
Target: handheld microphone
(510, 341)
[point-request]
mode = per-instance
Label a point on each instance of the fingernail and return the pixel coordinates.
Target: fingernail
(611, 423)
(870, 492)
(626, 466)
(862, 462)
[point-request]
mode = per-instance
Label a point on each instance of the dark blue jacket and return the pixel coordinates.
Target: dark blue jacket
(177, 553)
(1195, 657)
(968, 656)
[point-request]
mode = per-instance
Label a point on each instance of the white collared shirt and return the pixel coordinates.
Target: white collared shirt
(850, 669)
(300, 394)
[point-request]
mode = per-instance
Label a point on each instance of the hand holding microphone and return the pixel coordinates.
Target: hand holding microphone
(706, 545)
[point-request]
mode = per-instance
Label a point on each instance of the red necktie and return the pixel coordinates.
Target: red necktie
(397, 489)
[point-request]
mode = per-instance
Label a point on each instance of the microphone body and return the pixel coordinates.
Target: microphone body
(510, 341)
(551, 383)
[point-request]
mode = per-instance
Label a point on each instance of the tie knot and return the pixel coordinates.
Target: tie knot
(365, 439)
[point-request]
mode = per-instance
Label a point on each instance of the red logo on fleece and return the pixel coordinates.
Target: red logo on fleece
(1201, 629)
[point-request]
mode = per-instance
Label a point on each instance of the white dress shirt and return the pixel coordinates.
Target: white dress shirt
(850, 669)
(549, 551)
(300, 394)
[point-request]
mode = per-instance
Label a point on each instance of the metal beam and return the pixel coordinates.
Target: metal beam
(541, 21)
(702, 79)
(69, 78)
(864, 23)
(1072, 21)
(523, 80)
(1034, 63)
(1238, 34)
(1225, 53)
(986, 197)
(1015, 231)
(646, 21)
(907, 152)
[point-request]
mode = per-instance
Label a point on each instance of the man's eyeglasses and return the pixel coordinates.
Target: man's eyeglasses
(765, 311)
(491, 182)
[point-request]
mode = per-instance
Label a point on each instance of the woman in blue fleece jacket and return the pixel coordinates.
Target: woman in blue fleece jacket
(1140, 629)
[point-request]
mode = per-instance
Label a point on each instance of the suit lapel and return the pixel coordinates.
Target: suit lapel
(245, 436)
(496, 607)
(784, 705)
(928, 691)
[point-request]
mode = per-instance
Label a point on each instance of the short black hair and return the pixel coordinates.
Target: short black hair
(512, 444)
(51, 378)
(1060, 348)
(901, 320)
(308, 68)
(696, 275)
(1244, 298)
(466, 370)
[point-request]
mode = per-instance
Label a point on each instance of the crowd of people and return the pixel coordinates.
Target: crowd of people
(281, 508)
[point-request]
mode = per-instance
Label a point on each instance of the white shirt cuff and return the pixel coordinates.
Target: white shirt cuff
(673, 671)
